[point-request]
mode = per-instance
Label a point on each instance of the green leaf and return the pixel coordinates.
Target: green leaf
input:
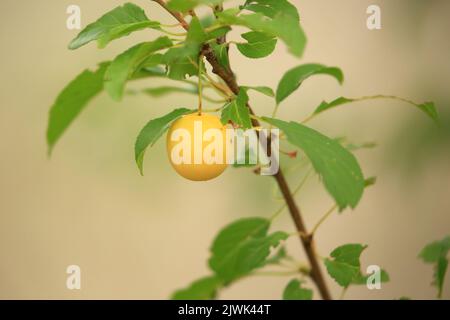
(279, 255)
(153, 61)
(221, 52)
(146, 72)
(165, 90)
(72, 100)
(370, 182)
(182, 61)
(258, 45)
(203, 289)
(217, 32)
(436, 253)
(439, 275)
(239, 231)
(126, 64)
(336, 165)
(261, 89)
(432, 252)
(152, 132)
(271, 8)
(428, 107)
(292, 79)
(75, 96)
(237, 111)
(328, 105)
(342, 273)
(181, 68)
(345, 266)
(295, 291)
(242, 247)
(186, 5)
(283, 25)
(361, 279)
(348, 253)
(115, 24)
(194, 39)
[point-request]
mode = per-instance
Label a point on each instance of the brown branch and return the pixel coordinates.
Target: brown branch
(176, 15)
(308, 244)
(222, 39)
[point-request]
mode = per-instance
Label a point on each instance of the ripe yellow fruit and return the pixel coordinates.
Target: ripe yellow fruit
(190, 138)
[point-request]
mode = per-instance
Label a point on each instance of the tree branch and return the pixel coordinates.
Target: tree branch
(308, 244)
(176, 15)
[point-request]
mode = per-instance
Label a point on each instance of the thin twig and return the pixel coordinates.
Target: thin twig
(365, 98)
(325, 217)
(276, 273)
(200, 89)
(176, 15)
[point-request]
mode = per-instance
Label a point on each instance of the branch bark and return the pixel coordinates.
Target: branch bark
(307, 241)
(176, 15)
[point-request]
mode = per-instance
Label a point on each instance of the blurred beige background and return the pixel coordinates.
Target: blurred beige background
(144, 237)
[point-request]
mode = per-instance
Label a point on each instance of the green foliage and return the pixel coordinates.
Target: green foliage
(152, 131)
(221, 52)
(165, 90)
(237, 111)
(261, 89)
(242, 247)
(202, 289)
(337, 166)
(436, 253)
(283, 25)
(345, 267)
(258, 45)
(328, 105)
(146, 71)
(186, 5)
(152, 61)
(295, 291)
(238, 249)
(126, 64)
(370, 182)
(428, 107)
(292, 79)
(361, 279)
(72, 100)
(183, 61)
(279, 255)
(439, 275)
(432, 252)
(115, 24)
(271, 8)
